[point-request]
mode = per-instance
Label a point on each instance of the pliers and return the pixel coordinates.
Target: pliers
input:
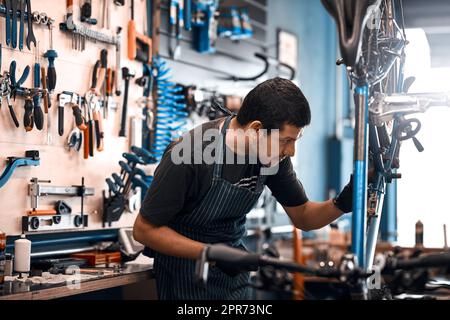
(12, 75)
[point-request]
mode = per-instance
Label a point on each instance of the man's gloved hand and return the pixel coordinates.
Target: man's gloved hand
(234, 269)
(344, 200)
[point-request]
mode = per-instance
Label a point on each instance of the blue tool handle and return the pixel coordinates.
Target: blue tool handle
(24, 76)
(37, 83)
(14, 23)
(187, 15)
(8, 22)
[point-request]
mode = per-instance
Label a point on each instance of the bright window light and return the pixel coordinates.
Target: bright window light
(423, 190)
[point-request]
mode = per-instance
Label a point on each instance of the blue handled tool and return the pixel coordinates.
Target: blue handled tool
(31, 159)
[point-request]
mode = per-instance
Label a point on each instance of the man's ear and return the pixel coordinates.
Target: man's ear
(255, 125)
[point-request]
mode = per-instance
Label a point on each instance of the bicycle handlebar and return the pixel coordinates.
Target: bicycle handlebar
(251, 261)
(430, 260)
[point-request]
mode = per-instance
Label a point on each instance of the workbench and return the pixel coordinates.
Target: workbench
(129, 274)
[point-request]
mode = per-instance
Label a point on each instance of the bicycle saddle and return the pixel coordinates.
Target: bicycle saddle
(350, 17)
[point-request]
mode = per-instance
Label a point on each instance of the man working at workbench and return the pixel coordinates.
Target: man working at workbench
(190, 204)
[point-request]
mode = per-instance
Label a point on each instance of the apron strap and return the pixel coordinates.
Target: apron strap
(220, 151)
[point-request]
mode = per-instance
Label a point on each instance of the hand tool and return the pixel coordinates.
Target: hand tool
(30, 35)
(112, 187)
(118, 50)
(86, 12)
(97, 83)
(51, 55)
(108, 91)
(176, 22)
(135, 39)
(14, 7)
(22, 6)
(45, 97)
(119, 3)
(8, 21)
(187, 15)
(63, 99)
(126, 75)
(92, 105)
(6, 92)
(86, 136)
(118, 180)
(75, 139)
(28, 120)
(80, 121)
(31, 159)
(80, 30)
(125, 170)
(37, 112)
(12, 74)
(61, 207)
(144, 154)
(105, 15)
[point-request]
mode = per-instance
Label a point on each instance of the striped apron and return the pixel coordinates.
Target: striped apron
(219, 218)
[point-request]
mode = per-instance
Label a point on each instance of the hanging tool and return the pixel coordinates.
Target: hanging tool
(8, 22)
(28, 119)
(139, 45)
(30, 35)
(108, 90)
(119, 3)
(46, 98)
(105, 15)
(31, 159)
(92, 105)
(51, 55)
(187, 15)
(75, 138)
(176, 23)
(98, 80)
(14, 7)
(86, 12)
(118, 51)
(86, 136)
(22, 6)
(37, 112)
(63, 99)
(204, 25)
(127, 75)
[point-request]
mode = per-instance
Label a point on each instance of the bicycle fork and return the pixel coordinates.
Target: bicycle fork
(360, 160)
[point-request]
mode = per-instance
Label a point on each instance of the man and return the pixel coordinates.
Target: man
(191, 204)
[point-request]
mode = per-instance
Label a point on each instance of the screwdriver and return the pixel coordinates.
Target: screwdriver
(37, 111)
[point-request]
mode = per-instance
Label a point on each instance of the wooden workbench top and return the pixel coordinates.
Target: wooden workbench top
(24, 291)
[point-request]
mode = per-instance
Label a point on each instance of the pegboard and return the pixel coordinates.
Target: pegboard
(74, 71)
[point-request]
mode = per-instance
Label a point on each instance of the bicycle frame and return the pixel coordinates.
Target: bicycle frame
(368, 197)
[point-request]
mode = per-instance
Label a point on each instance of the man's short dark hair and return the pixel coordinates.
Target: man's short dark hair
(275, 102)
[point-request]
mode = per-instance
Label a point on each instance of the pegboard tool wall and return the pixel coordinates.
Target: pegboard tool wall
(74, 71)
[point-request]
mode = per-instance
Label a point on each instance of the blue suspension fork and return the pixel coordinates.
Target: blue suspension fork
(360, 173)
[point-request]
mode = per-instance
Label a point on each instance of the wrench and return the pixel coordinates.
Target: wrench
(30, 35)
(8, 21)
(14, 5)
(22, 5)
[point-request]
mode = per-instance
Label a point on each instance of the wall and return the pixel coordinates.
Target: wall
(74, 69)
(317, 78)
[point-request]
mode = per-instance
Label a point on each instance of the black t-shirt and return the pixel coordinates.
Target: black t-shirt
(179, 188)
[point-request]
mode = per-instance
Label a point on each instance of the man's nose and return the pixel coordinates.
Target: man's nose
(289, 150)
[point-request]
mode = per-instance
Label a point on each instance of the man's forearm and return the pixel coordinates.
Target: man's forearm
(165, 240)
(319, 214)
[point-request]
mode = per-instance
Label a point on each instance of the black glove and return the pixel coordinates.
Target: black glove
(233, 269)
(344, 200)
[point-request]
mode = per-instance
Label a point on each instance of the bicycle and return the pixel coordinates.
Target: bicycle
(374, 53)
